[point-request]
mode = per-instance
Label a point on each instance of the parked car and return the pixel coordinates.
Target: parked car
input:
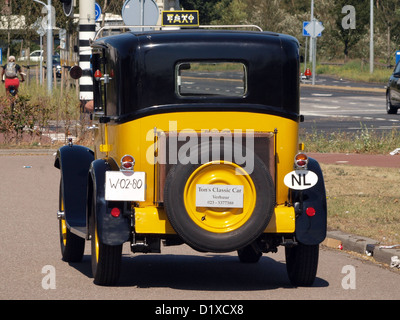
(35, 56)
(196, 142)
(393, 91)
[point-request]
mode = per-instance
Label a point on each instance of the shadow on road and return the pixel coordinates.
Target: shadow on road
(211, 272)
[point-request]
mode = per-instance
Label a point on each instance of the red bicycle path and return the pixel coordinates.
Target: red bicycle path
(368, 160)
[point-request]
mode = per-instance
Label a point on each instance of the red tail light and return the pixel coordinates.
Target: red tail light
(301, 160)
(310, 211)
(127, 162)
(115, 212)
(97, 74)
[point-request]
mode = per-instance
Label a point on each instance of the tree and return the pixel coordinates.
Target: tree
(350, 37)
(207, 8)
(388, 18)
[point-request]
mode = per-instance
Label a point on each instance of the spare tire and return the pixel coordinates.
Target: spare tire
(212, 228)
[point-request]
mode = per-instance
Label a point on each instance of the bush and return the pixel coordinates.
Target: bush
(35, 116)
(18, 115)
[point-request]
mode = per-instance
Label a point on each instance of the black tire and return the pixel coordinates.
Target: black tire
(106, 259)
(208, 241)
(390, 109)
(249, 254)
(302, 264)
(72, 246)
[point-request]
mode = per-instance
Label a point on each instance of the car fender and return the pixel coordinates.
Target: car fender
(74, 162)
(110, 230)
(311, 230)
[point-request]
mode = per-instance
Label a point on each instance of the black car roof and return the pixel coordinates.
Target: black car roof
(143, 65)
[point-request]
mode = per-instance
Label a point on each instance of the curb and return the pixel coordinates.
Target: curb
(345, 88)
(363, 245)
(11, 152)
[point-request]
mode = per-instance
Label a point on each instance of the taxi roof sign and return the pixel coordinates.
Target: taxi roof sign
(181, 18)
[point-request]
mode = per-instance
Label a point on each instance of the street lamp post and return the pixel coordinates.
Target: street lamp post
(49, 27)
(371, 41)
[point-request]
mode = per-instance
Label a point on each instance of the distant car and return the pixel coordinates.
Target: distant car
(393, 91)
(35, 56)
(57, 65)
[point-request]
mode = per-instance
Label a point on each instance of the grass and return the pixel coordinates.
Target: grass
(361, 200)
(364, 201)
(366, 140)
(353, 70)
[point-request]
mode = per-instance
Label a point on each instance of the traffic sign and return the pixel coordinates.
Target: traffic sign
(97, 11)
(308, 29)
(68, 7)
(397, 56)
(140, 12)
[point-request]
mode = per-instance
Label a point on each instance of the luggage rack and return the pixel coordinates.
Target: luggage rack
(172, 28)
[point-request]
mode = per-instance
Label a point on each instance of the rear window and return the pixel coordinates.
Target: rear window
(211, 79)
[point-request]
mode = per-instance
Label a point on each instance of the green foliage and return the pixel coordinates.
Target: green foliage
(365, 140)
(350, 37)
(26, 118)
(356, 70)
(18, 115)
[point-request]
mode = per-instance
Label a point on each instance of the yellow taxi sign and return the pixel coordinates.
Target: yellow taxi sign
(183, 18)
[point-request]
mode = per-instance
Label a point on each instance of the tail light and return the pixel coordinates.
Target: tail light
(115, 212)
(97, 74)
(310, 211)
(300, 161)
(127, 163)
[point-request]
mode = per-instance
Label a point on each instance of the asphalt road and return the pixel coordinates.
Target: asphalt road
(31, 265)
(334, 105)
(331, 105)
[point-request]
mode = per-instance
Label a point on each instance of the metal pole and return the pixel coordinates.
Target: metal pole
(312, 44)
(314, 57)
(49, 47)
(142, 13)
(49, 26)
(87, 31)
(311, 20)
(41, 61)
(305, 55)
(371, 42)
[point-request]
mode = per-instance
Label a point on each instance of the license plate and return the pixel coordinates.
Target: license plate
(219, 196)
(125, 186)
(300, 179)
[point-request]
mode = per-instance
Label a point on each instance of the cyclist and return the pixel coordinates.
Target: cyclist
(10, 73)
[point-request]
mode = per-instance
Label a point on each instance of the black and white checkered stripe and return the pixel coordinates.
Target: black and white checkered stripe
(86, 32)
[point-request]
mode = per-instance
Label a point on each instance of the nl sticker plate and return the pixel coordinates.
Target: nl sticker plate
(125, 186)
(300, 179)
(219, 196)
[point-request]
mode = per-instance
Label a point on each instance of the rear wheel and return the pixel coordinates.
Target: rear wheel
(106, 259)
(72, 246)
(390, 109)
(302, 264)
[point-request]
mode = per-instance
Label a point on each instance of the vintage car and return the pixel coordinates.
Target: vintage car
(196, 143)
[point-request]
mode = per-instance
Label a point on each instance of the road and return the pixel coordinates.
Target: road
(330, 105)
(331, 109)
(32, 267)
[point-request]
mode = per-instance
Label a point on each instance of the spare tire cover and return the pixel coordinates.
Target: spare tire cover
(219, 227)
